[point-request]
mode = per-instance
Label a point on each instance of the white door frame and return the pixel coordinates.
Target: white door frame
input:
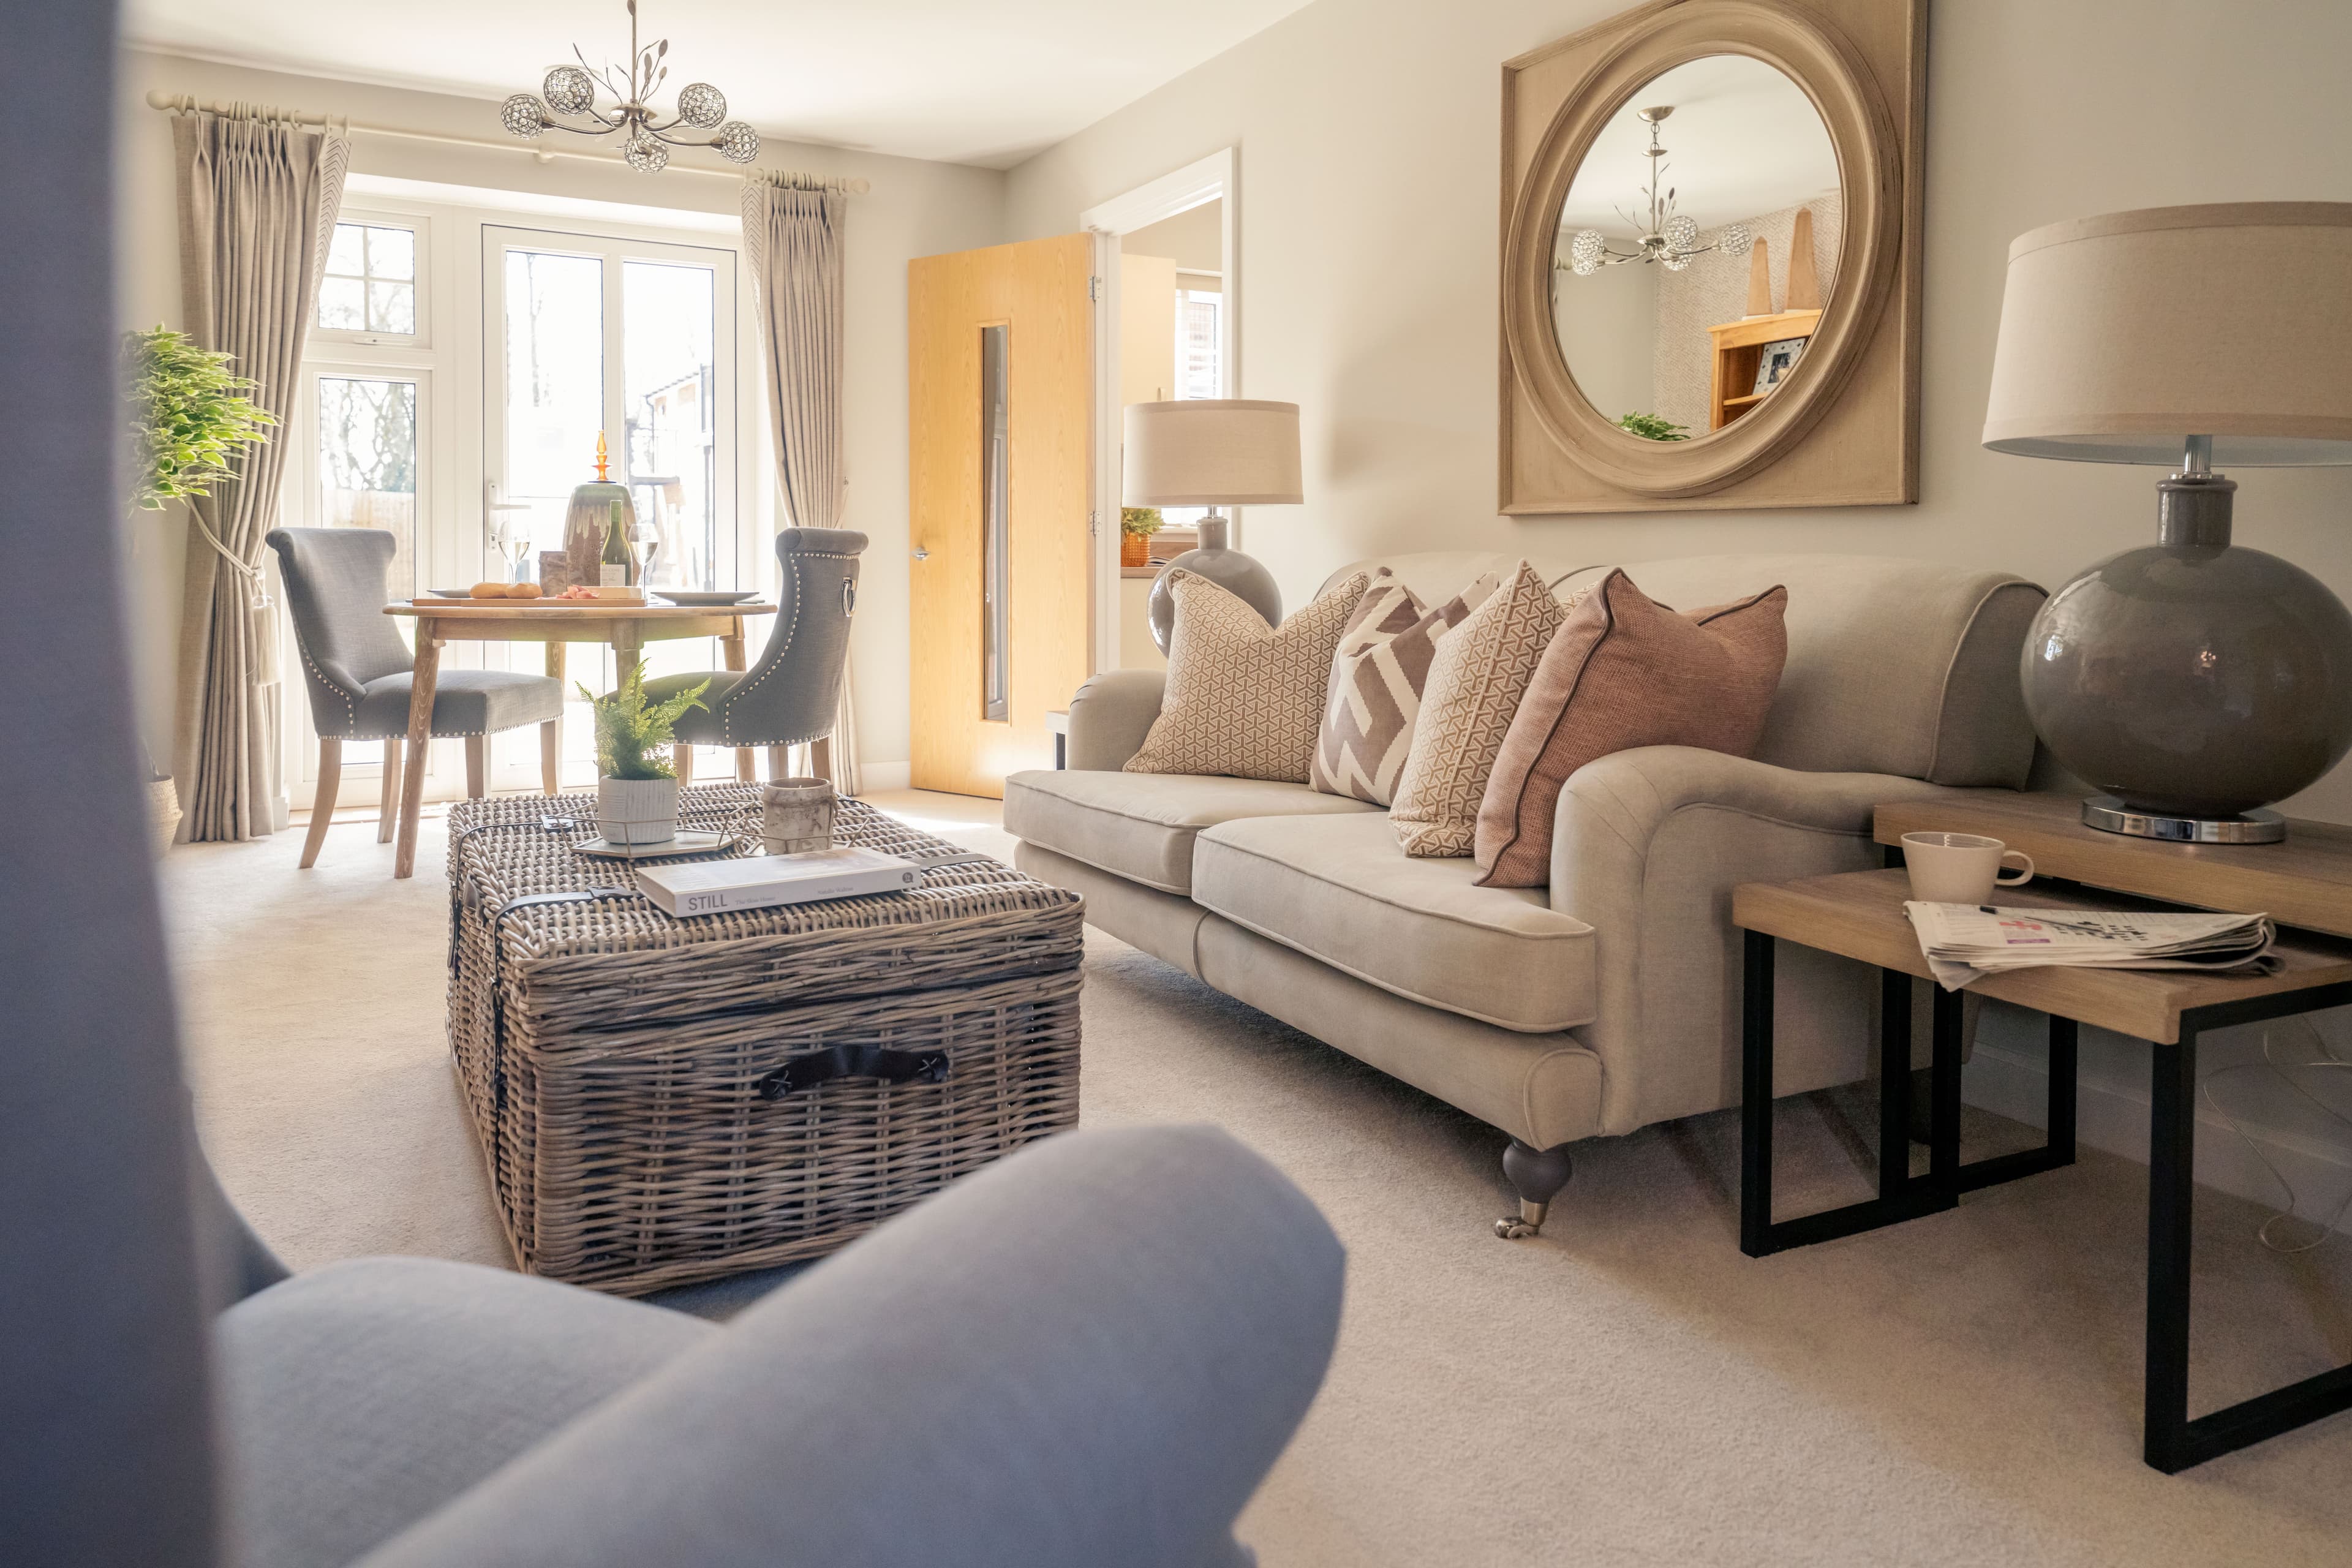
(1214, 177)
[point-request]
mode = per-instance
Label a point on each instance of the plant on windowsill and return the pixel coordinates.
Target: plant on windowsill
(1137, 524)
(1654, 427)
(637, 792)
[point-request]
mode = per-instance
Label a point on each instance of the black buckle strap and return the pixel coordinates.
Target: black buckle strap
(808, 1070)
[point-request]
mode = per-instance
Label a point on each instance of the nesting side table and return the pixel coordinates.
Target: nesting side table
(1859, 915)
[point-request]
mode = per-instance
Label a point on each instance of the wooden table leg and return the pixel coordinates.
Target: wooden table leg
(551, 733)
(420, 736)
(747, 769)
(387, 811)
(681, 762)
(628, 651)
(322, 801)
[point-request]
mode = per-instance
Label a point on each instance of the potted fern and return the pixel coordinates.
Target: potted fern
(637, 792)
(1137, 524)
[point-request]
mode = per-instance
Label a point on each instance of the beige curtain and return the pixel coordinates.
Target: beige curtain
(792, 237)
(258, 201)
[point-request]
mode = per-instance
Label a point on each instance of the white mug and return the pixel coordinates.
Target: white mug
(1960, 867)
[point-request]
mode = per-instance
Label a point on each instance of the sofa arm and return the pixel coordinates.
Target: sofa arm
(1111, 714)
(1647, 845)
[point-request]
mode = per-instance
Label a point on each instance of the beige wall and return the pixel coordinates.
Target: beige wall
(1367, 133)
(1194, 238)
(1608, 330)
(916, 209)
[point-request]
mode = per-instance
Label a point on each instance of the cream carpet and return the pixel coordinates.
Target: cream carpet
(1626, 1390)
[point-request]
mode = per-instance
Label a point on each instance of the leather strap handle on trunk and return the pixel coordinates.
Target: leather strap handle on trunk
(814, 1068)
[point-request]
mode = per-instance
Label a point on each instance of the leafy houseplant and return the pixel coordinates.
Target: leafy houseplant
(1654, 427)
(190, 416)
(637, 792)
(1137, 524)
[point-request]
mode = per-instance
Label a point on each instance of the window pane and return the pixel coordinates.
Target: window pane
(1197, 345)
(347, 253)
(367, 463)
(554, 384)
(391, 307)
(390, 253)
(666, 338)
(342, 304)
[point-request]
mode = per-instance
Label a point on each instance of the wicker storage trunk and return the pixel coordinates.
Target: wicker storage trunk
(651, 1093)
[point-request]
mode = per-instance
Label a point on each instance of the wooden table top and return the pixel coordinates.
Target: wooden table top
(1859, 915)
(2304, 881)
(568, 609)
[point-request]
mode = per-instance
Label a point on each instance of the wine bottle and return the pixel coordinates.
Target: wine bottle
(619, 567)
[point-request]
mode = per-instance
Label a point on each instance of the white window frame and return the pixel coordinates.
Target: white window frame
(422, 338)
(454, 336)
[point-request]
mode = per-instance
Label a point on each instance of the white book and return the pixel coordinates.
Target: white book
(714, 886)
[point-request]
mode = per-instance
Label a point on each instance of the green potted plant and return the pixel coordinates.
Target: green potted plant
(637, 792)
(190, 417)
(1137, 524)
(1654, 427)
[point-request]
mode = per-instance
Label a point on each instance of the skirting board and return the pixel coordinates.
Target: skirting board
(2114, 1120)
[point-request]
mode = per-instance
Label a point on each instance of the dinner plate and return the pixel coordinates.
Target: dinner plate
(686, 596)
(448, 592)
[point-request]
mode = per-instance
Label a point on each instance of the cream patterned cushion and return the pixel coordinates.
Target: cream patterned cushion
(1377, 679)
(1475, 680)
(1243, 697)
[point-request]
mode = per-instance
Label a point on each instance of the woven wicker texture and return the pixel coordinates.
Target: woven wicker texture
(609, 1056)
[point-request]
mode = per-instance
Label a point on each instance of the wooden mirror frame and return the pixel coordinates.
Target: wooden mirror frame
(1856, 378)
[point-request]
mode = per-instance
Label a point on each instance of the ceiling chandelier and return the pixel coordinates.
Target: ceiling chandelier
(646, 139)
(1668, 239)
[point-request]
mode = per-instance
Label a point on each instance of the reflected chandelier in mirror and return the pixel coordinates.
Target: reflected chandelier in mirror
(1668, 238)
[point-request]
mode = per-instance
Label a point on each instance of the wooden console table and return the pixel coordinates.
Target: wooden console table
(1859, 915)
(625, 628)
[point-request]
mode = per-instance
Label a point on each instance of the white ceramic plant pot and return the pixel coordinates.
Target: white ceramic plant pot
(636, 811)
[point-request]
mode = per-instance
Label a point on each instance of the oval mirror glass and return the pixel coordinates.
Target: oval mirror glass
(1697, 247)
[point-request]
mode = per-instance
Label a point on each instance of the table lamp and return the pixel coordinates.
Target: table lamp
(1212, 452)
(2192, 681)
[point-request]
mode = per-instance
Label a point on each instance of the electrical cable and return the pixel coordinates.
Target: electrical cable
(2324, 1060)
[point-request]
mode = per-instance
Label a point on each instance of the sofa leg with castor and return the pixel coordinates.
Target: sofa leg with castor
(1535, 1174)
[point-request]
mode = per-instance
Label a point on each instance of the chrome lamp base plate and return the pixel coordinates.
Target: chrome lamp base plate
(2109, 815)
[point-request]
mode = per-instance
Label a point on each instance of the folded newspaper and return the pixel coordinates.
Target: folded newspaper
(1962, 941)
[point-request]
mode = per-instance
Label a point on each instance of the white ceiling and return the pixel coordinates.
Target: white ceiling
(1743, 141)
(956, 81)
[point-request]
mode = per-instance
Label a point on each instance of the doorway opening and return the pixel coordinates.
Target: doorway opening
(1167, 326)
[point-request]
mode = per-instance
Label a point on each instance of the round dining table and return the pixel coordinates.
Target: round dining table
(624, 627)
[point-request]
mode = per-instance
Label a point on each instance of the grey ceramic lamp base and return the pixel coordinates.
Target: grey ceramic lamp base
(1227, 567)
(2192, 682)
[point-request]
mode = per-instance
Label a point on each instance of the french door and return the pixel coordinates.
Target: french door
(634, 341)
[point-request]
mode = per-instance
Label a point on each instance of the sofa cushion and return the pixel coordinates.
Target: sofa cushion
(1625, 672)
(1242, 697)
(1341, 890)
(1475, 680)
(1141, 826)
(1377, 676)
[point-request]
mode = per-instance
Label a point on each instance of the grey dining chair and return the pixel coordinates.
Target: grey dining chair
(790, 696)
(358, 672)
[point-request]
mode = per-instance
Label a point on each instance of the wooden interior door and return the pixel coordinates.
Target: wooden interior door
(969, 730)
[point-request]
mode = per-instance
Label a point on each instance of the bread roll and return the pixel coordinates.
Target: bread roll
(523, 591)
(490, 590)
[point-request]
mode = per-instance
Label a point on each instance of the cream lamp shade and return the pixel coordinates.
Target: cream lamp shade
(2124, 334)
(1211, 451)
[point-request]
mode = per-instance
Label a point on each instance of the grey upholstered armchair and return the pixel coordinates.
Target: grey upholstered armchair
(790, 696)
(357, 671)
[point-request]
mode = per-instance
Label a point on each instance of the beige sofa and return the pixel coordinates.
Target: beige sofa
(1610, 1000)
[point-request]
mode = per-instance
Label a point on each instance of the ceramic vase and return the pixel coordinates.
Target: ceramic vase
(636, 811)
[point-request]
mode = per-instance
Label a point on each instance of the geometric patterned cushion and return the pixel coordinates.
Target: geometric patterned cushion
(1475, 680)
(1242, 697)
(1376, 677)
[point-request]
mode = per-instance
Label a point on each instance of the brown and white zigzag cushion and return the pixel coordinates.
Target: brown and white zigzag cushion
(1476, 680)
(1377, 679)
(1243, 697)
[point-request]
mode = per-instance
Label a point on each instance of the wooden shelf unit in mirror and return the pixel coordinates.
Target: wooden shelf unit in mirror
(1739, 352)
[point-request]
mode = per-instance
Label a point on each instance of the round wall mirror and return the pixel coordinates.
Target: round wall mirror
(1696, 249)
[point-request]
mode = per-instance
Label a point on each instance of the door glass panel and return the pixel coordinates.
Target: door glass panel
(554, 386)
(995, 580)
(367, 464)
(668, 392)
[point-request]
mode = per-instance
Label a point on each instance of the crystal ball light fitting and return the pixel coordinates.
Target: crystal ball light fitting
(629, 93)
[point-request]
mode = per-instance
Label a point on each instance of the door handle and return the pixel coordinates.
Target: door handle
(922, 553)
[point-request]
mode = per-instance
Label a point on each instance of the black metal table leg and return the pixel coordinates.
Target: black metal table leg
(2058, 1144)
(1756, 1096)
